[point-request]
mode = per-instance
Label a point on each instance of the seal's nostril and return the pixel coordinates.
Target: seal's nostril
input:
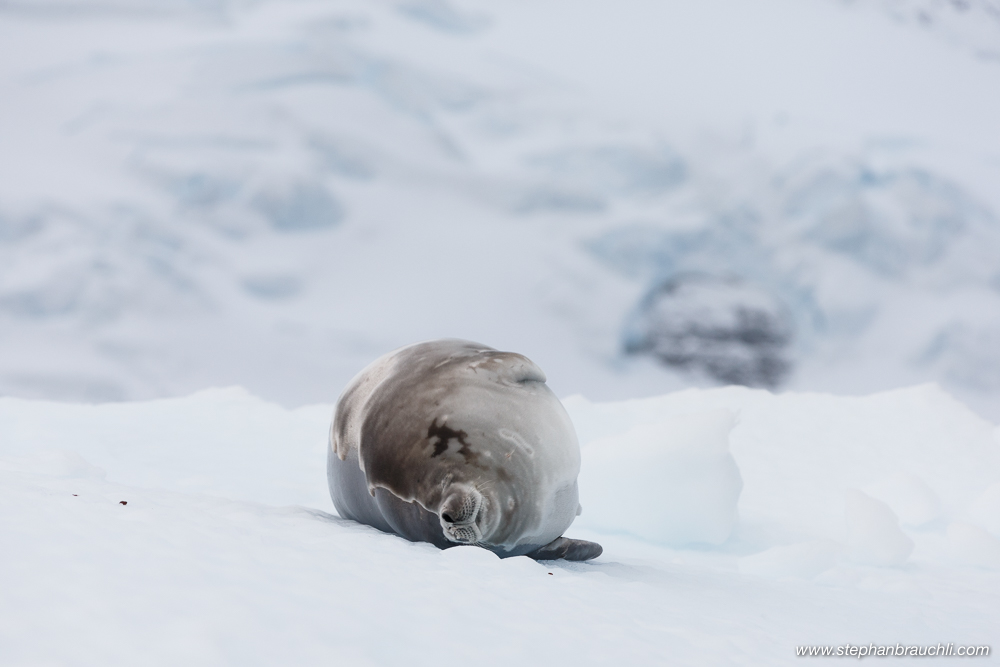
(447, 517)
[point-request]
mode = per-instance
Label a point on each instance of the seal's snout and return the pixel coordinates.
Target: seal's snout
(459, 513)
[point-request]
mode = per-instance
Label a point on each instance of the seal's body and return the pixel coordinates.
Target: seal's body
(452, 442)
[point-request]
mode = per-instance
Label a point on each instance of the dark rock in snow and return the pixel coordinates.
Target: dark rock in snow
(731, 331)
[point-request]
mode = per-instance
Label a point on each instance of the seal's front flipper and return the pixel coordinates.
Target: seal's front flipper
(563, 547)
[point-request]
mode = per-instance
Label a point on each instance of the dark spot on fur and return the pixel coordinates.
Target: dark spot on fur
(122, 502)
(444, 435)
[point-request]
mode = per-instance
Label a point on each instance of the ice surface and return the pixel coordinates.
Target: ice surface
(986, 509)
(874, 535)
(908, 497)
(804, 560)
(823, 448)
(219, 441)
(198, 531)
(673, 482)
(972, 545)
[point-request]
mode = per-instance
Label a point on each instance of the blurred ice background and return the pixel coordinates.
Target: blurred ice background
(638, 195)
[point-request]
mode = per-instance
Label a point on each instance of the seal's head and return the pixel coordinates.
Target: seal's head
(472, 435)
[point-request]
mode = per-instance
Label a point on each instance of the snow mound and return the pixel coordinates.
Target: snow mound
(673, 482)
(222, 442)
(874, 534)
(813, 467)
(909, 497)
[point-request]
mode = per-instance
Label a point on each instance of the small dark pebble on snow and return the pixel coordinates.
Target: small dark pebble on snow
(122, 502)
(550, 573)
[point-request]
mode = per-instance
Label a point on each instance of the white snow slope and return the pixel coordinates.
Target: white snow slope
(198, 531)
(209, 192)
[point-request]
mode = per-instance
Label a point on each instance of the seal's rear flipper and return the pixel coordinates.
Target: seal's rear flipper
(563, 547)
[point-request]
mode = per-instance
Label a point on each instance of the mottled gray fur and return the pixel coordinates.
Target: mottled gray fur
(452, 442)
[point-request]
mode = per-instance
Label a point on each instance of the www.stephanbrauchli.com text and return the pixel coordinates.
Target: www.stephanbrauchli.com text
(892, 650)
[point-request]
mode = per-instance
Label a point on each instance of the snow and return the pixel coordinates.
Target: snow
(823, 446)
(909, 497)
(273, 193)
(805, 560)
(973, 545)
(198, 530)
(874, 535)
(686, 460)
(986, 510)
(648, 199)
